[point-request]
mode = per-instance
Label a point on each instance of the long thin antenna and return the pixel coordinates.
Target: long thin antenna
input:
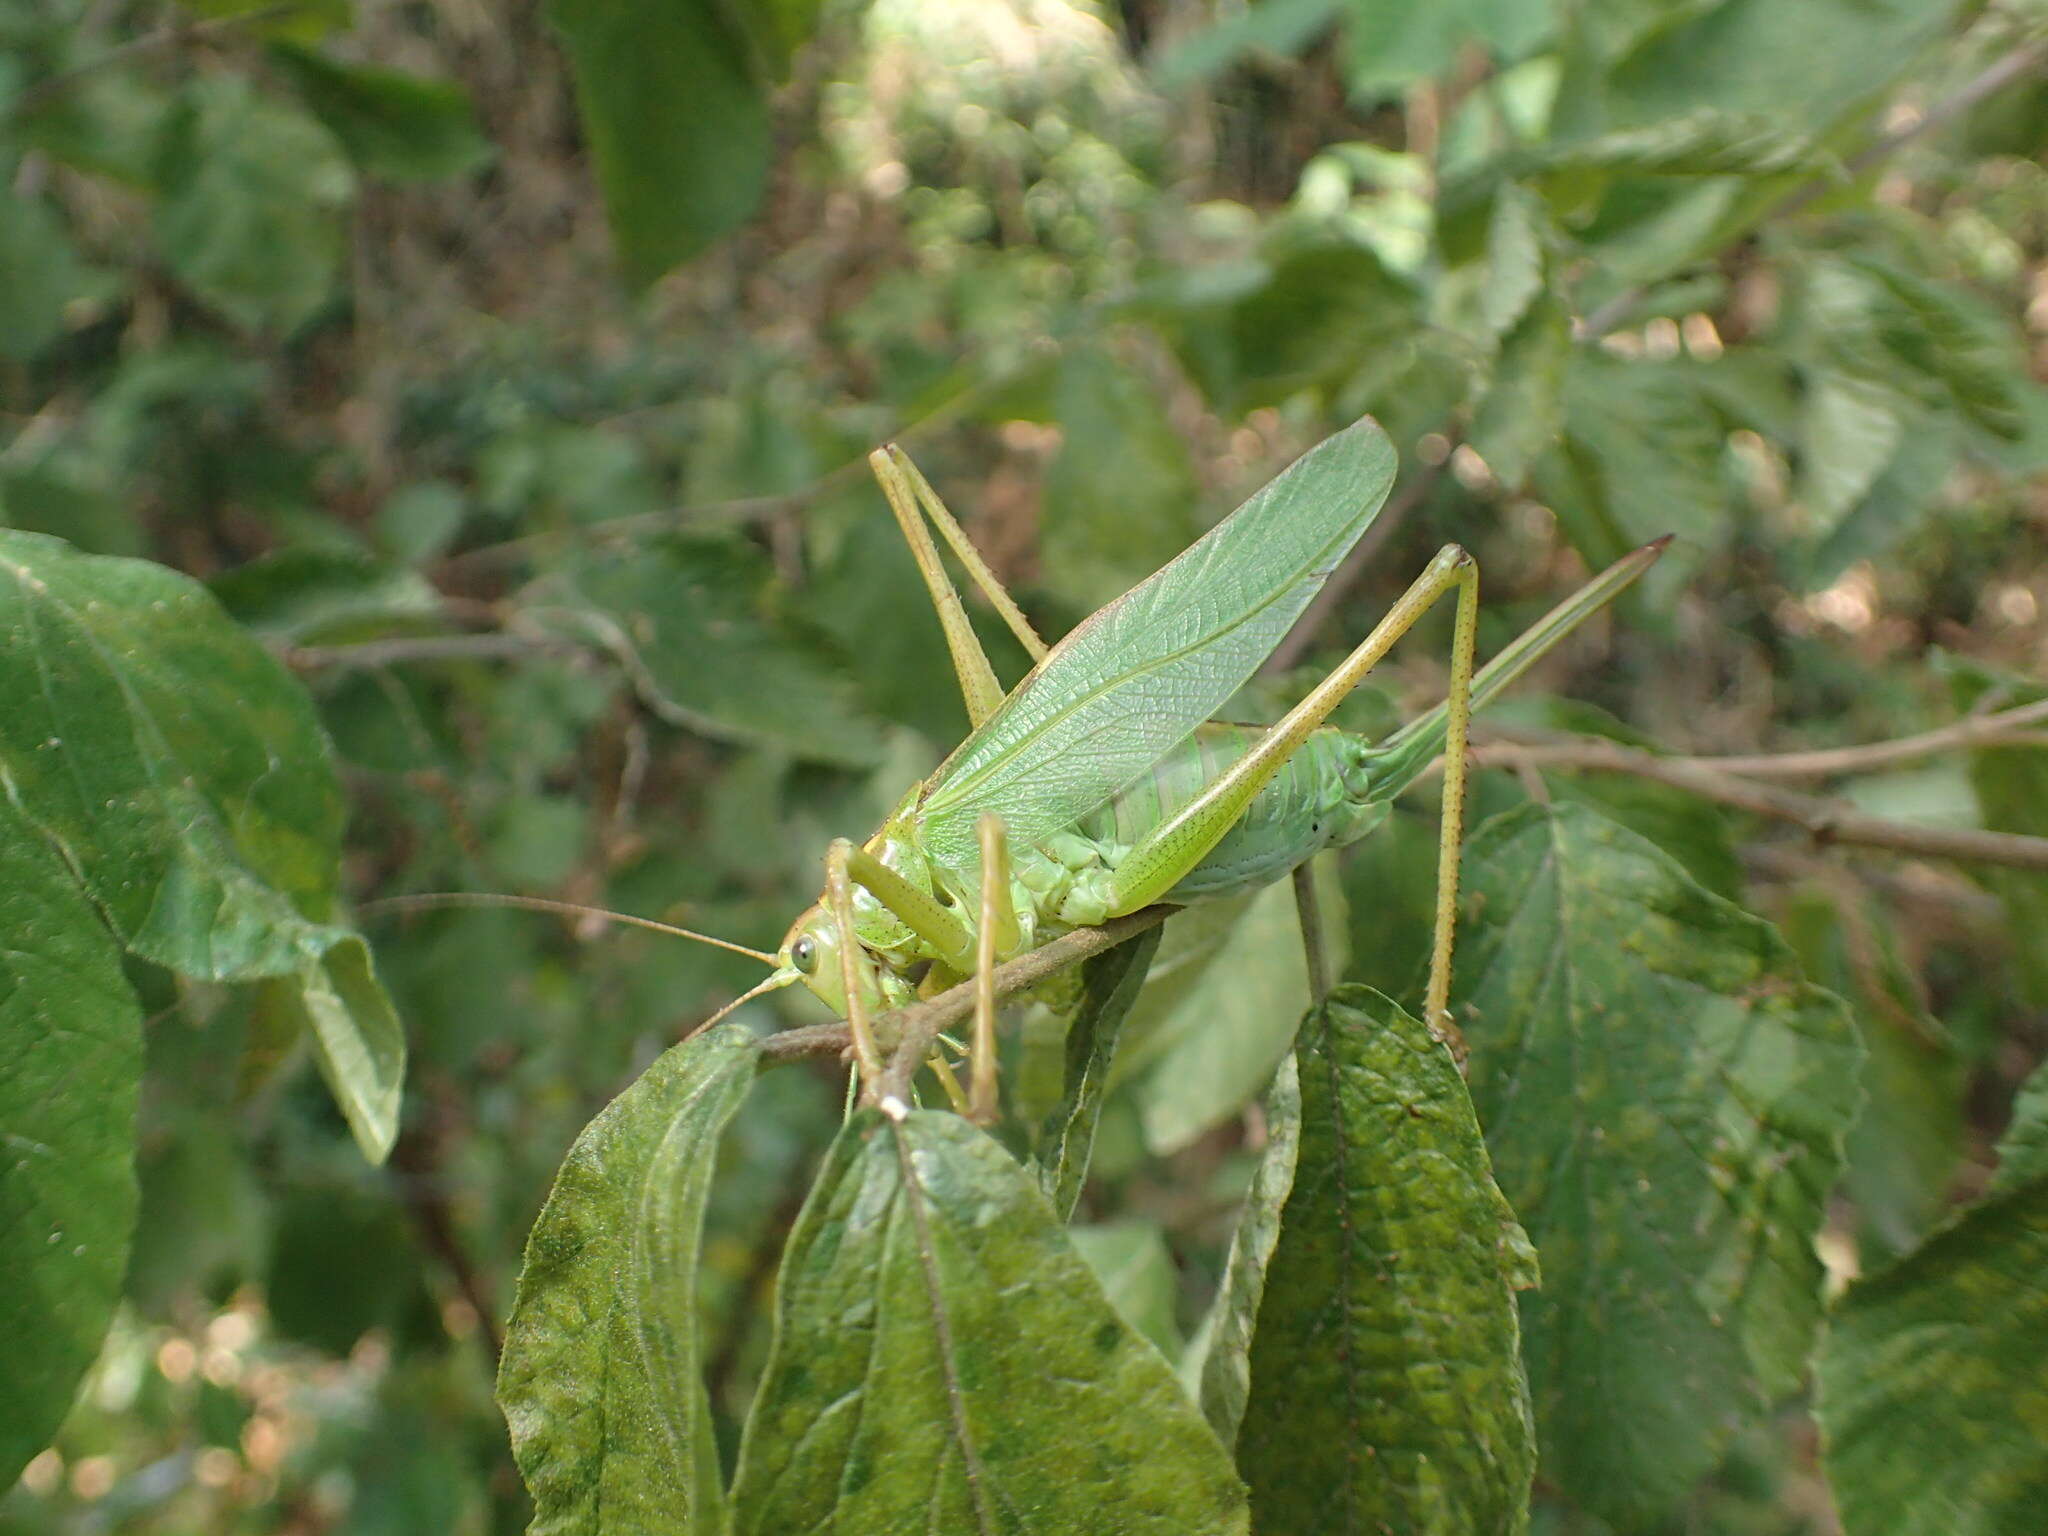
(774, 983)
(421, 901)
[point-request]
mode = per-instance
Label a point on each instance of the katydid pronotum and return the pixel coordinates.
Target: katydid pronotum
(1101, 784)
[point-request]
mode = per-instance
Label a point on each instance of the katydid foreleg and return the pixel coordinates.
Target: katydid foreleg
(998, 934)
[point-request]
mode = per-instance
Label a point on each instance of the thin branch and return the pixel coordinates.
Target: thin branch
(2007, 727)
(915, 1028)
(1347, 575)
(1828, 821)
(498, 645)
(1989, 82)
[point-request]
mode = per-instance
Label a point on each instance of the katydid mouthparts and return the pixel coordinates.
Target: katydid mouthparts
(1103, 783)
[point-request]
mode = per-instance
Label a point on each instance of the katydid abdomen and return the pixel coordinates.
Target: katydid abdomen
(1322, 797)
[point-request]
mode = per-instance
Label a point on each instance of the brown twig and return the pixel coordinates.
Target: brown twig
(915, 1028)
(2006, 727)
(1989, 82)
(1828, 821)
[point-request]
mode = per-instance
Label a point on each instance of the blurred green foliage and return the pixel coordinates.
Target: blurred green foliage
(508, 372)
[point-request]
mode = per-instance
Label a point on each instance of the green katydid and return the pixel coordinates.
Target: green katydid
(1100, 784)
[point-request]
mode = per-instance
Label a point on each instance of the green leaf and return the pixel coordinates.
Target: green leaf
(1906, 496)
(70, 1066)
(601, 1382)
(1948, 336)
(2023, 1151)
(944, 1361)
(677, 122)
(1932, 1400)
(1132, 1263)
(1220, 1362)
(1120, 494)
(254, 195)
(1521, 414)
(1665, 1100)
(394, 125)
(182, 773)
(1110, 984)
(684, 614)
(1514, 258)
(307, 21)
(1387, 1390)
(1641, 458)
(1394, 43)
(1849, 431)
(1639, 64)
(41, 275)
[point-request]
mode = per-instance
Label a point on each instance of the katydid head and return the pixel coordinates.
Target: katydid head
(810, 954)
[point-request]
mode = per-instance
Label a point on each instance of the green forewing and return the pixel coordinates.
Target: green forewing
(1140, 674)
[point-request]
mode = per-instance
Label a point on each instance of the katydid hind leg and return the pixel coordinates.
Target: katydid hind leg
(979, 688)
(970, 557)
(1165, 855)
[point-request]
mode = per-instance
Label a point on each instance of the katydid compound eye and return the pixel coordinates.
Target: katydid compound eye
(804, 955)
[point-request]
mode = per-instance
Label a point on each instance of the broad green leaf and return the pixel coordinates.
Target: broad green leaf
(1636, 65)
(944, 1361)
(1219, 1364)
(183, 775)
(1521, 414)
(1514, 258)
(1932, 1397)
(601, 1383)
(1110, 984)
(395, 125)
(1120, 495)
(2023, 1152)
(1275, 26)
(1641, 458)
(41, 274)
(254, 194)
(1139, 675)
(308, 21)
(685, 615)
(1904, 497)
(1951, 338)
(1131, 1261)
(1387, 1390)
(677, 122)
(1665, 1099)
(1390, 44)
(70, 1065)
(1849, 432)
(1223, 1009)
